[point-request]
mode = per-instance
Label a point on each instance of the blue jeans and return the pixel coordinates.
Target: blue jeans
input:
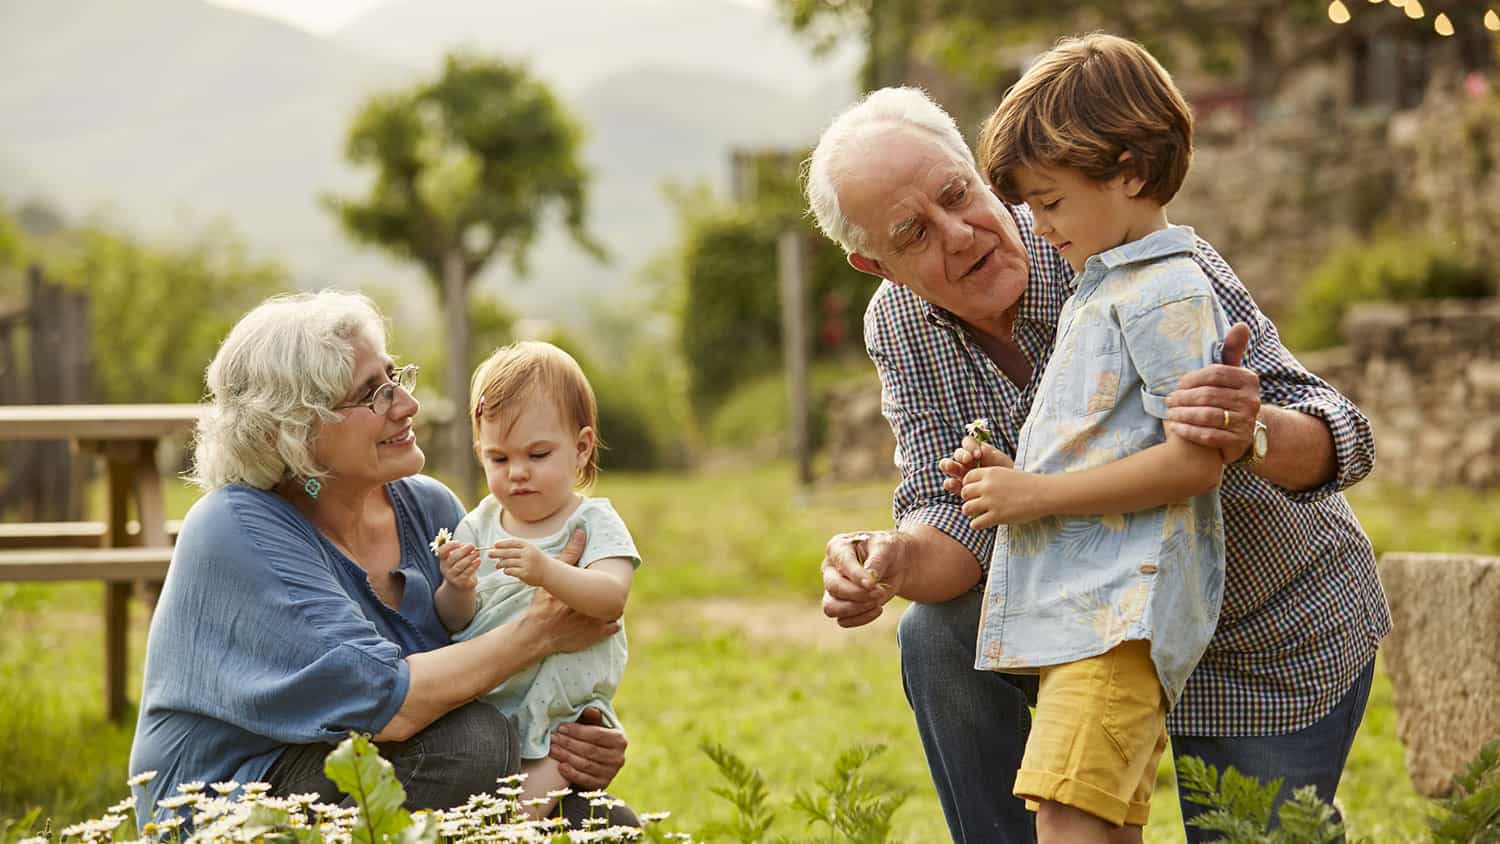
(974, 725)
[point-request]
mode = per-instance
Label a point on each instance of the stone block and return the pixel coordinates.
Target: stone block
(1443, 660)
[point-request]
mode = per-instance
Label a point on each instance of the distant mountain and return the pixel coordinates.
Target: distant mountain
(161, 110)
(576, 43)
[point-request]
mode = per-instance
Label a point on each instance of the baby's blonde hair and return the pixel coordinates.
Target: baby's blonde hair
(530, 371)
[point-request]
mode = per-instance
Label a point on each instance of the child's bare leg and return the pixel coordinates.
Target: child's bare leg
(542, 775)
(1059, 823)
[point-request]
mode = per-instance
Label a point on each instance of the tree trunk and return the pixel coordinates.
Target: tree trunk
(460, 456)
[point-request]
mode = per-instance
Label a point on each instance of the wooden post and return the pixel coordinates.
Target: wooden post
(791, 268)
(460, 457)
(117, 595)
(50, 464)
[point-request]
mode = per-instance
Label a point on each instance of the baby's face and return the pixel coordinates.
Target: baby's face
(531, 459)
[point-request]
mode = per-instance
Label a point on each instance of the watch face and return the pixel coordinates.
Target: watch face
(1258, 441)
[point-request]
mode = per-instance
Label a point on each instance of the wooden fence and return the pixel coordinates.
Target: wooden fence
(45, 358)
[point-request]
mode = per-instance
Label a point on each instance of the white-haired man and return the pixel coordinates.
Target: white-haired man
(964, 318)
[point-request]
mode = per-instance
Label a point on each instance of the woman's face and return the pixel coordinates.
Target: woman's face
(361, 448)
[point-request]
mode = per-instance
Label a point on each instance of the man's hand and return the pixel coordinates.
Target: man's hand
(1206, 399)
(459, 563)
(1000, 495)
(588, 753)
(861, 572)
(522, 560)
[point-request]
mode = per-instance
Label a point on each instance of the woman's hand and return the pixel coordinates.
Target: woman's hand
(588, 753)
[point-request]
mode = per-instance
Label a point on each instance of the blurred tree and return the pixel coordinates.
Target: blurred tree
(466, 166)
(1256, 42)
(158, 313)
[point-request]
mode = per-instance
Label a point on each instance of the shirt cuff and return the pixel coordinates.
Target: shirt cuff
(950, 519)
(1353, 462)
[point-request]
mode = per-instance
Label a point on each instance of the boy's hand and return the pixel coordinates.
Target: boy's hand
(522, 560)
(972, 454)
(999, 495)
(459, 563)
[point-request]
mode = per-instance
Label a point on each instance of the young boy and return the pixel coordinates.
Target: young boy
(1108, 577)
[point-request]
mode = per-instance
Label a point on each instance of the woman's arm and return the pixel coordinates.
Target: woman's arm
(441, 680)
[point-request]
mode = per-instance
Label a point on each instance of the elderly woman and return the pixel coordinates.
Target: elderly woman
(299, 604)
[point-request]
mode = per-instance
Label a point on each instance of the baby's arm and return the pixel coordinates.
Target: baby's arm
(598, 591)
(454, 599)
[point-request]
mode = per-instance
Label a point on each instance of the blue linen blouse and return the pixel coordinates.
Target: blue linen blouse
(266, 635)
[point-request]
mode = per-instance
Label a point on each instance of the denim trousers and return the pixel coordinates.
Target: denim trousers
(973, 725)
(460, 754)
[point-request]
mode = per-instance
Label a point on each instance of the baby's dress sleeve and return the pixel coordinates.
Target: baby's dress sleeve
(607, 535)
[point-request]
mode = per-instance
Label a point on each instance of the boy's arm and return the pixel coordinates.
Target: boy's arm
(1153, 477)
(598, 591)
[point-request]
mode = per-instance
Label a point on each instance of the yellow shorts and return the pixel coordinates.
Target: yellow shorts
(1099, 731)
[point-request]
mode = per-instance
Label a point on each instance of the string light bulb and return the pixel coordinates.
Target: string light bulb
(1338, 12)
(1396, 4)
(1414, 9)
(1492, 21)
(1443, 26)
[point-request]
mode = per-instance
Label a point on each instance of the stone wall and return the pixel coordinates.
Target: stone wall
(1428, 377)
(860, 444)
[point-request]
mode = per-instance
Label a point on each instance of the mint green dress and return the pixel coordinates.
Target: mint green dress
(556, 689)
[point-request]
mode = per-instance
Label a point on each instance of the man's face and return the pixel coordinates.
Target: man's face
(932, 225)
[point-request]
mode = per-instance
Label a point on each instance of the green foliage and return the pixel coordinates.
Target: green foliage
(746, 792)
(359, 771)
(1471, 814)
(1390, 268)
(10, 241)
(852, 807)
(159, 312)
(729, 315)
(1239, 808)
(753, 418)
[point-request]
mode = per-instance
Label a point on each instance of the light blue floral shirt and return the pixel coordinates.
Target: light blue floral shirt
(1063, 589)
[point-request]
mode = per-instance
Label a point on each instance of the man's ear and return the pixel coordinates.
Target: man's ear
(1132, 173)
(866, 264)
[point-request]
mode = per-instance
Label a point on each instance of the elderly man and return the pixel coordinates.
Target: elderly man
(963, 321)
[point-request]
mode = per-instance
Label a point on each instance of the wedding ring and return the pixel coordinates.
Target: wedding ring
(1226, 420)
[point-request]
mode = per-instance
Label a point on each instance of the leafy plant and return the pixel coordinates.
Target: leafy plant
(852, 807)
(1239, 807)
(1471, 814)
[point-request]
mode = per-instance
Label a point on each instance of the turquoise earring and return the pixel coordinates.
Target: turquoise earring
(313, 487)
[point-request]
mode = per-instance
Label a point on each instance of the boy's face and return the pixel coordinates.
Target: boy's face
(1082, 217)
(933, 225)
(531, 459)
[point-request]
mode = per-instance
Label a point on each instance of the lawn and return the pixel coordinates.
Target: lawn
(727, 646)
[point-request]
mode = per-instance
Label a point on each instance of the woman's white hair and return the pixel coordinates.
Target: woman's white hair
(880, 110)
(274, 379)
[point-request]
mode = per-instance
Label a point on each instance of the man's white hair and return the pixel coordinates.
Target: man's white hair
(881, 110)
(274, 379)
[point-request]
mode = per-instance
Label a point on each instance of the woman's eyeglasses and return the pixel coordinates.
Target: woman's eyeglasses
(384, 396)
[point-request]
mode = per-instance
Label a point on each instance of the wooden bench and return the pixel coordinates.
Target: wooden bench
(32, 535)
(61, 551)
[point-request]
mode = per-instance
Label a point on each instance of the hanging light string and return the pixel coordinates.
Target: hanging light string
(1442, 24)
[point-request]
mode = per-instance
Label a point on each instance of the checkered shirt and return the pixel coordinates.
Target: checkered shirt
(1303, 606)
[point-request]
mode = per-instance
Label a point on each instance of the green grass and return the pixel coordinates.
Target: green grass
(727, 646)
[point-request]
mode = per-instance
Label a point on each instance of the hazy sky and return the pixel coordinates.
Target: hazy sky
(324, 16)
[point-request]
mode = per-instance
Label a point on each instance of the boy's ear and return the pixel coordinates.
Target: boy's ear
(866, 264)
(1133, 173)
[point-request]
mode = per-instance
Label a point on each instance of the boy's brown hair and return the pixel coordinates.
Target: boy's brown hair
(1080, 106)
(533, 371)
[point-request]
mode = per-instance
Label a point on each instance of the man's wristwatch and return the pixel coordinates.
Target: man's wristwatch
(1256, 453)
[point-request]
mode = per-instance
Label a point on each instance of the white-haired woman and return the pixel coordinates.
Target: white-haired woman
(299, 603)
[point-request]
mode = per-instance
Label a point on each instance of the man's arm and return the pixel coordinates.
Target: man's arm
(862, 571)
(1321, 444)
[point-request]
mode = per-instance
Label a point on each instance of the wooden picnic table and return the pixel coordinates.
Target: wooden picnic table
(127, 437)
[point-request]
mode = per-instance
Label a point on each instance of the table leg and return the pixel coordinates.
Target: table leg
(117, 595)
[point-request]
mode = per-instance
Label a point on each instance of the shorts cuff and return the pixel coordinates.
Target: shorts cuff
(1036, 786)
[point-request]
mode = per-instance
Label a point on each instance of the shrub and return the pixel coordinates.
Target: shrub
(1395, 268)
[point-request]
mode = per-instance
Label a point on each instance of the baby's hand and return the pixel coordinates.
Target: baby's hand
(521, 560)
(459, 563)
